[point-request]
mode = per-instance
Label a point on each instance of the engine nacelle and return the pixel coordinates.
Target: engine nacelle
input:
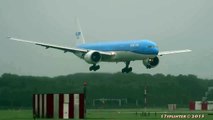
(92, 57)
(151, 62)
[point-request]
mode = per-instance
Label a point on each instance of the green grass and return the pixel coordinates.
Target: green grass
(16, 115)
(115, 114)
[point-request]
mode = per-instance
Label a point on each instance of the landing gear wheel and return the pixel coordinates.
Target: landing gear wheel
(123, 70)
(148, 67)
(127, 69)
(94, 67)
(91, 68)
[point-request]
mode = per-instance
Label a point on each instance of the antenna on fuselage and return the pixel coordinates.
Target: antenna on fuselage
(79, 34)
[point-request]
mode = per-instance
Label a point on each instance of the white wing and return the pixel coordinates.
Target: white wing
(65, 49)
(173, 52)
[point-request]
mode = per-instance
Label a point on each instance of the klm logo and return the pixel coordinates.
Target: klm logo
(134, 45)
(78, 34)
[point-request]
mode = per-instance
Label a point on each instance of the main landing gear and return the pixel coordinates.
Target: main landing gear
(127, 69)
(94, 67)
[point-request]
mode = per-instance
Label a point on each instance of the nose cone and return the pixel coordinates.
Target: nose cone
(155, 51)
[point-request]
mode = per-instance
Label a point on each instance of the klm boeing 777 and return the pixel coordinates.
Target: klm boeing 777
(120, 51)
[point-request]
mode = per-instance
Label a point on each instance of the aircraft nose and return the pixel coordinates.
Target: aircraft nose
(155, 51)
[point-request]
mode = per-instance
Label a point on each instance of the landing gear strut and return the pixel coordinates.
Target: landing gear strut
(94, 67)
(127, 69)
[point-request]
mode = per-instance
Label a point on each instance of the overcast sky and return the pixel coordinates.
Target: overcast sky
(172, 24)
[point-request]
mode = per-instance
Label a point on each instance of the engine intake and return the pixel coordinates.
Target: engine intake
(151, 62)
(92, 57)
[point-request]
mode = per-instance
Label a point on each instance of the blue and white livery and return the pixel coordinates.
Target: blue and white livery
(119, 51)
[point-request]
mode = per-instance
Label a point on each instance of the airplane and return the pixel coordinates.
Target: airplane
(117, 51)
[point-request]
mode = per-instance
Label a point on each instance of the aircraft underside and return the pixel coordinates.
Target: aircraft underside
(120, 56)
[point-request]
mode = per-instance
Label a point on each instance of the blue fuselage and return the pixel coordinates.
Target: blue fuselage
(145, 47)
(124, 50)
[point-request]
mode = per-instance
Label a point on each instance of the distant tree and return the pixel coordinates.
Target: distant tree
(16, 91)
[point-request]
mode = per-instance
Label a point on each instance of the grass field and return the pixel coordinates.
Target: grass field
(119, 114)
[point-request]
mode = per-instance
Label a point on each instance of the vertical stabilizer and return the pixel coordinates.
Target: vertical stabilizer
(79, 34)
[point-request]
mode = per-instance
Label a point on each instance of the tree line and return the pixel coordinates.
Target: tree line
(16, 91)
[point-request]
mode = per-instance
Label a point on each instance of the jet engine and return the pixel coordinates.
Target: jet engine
(92, 57)
(151, 62)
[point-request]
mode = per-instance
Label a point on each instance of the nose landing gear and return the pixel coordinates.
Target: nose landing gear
(127, 69)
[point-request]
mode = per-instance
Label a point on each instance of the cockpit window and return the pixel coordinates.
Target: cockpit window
(152, 46)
